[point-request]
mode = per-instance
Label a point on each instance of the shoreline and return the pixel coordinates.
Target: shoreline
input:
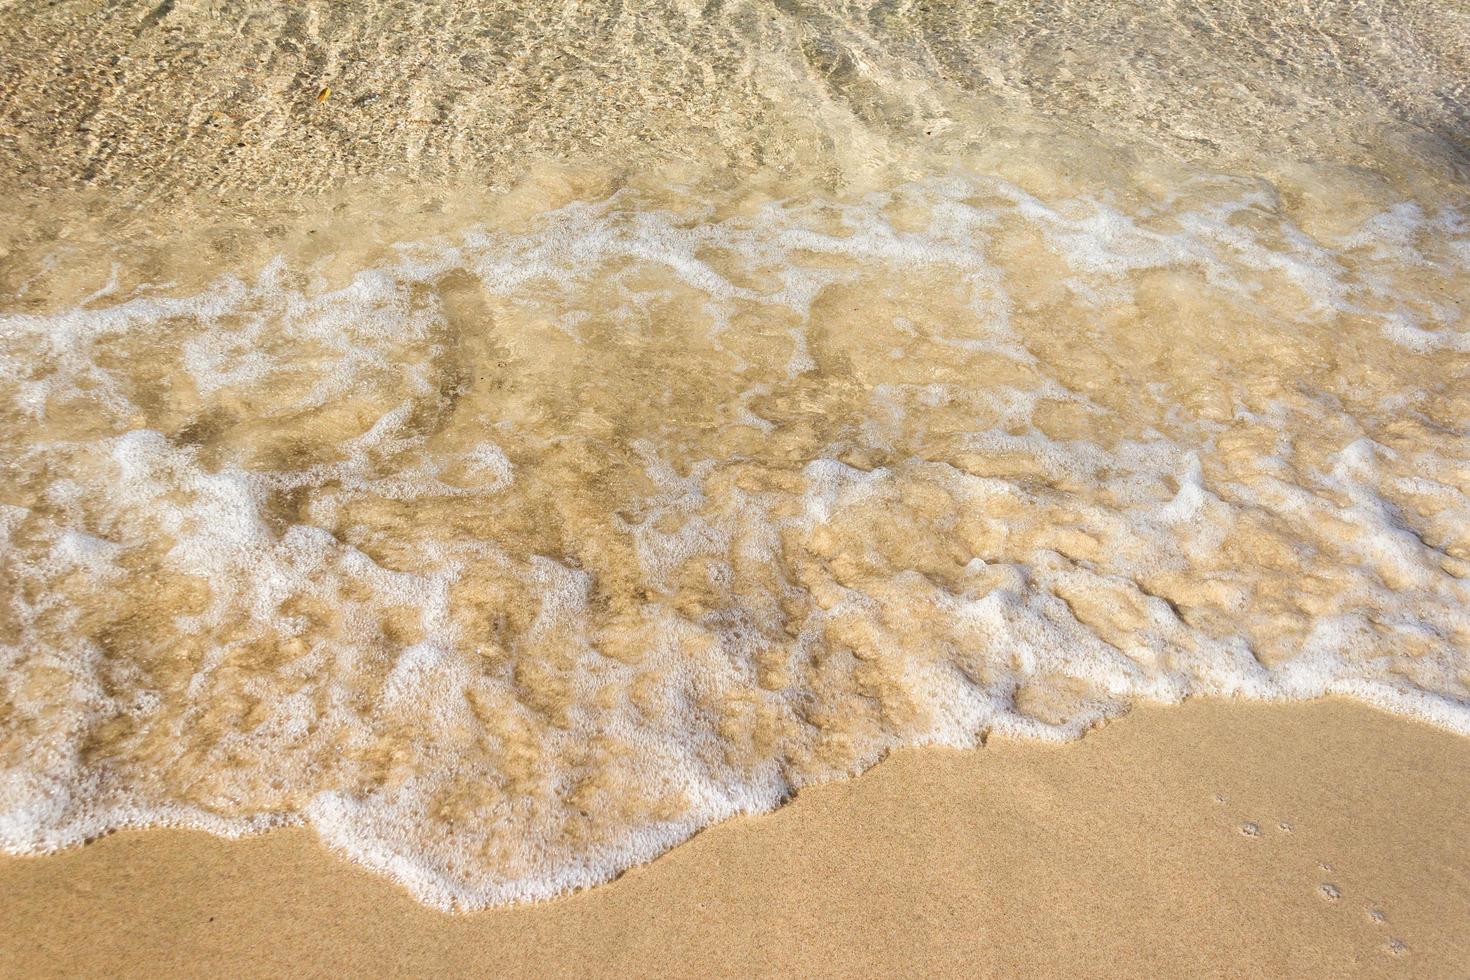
(1207, 838)
(470, 448)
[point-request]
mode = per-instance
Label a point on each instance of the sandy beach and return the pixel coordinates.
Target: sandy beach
(748, 487)
(1130, 852)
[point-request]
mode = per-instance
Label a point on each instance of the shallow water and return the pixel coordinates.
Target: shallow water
(704, 401)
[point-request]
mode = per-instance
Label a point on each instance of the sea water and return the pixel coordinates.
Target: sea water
(509, 543)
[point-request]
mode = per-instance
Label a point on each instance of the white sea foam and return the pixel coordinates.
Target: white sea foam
(504, 597)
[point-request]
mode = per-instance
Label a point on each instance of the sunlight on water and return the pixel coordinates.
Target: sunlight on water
(509, 536)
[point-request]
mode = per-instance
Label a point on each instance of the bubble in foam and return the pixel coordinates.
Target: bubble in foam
(515, 561)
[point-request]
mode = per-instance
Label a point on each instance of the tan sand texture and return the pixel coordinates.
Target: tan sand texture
(509, 439)
(1120, 855)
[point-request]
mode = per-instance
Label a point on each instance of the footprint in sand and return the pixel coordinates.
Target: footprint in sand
(1327, 891)
(1394, 946)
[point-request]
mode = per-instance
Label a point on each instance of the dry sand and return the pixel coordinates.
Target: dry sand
(1122, 854)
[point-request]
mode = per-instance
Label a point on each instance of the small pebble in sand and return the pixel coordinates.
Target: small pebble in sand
(1286, 828)
(1329, 891)
(1376, 916)
(1250, 829)
(1397, 947)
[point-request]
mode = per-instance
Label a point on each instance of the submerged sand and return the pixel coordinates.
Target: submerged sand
(504, 440)
(1121, 854)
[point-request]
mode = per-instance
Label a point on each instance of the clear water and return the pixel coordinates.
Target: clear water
(583, 423)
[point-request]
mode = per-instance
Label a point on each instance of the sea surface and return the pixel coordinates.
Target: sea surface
(509, 438)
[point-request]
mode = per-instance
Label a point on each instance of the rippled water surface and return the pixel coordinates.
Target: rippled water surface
(509, 439)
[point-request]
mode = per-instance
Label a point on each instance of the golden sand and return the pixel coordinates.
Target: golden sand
(508, 440)
(1121, 854)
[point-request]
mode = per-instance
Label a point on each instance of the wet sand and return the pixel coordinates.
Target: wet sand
(1195, 350)
(1122, 854)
